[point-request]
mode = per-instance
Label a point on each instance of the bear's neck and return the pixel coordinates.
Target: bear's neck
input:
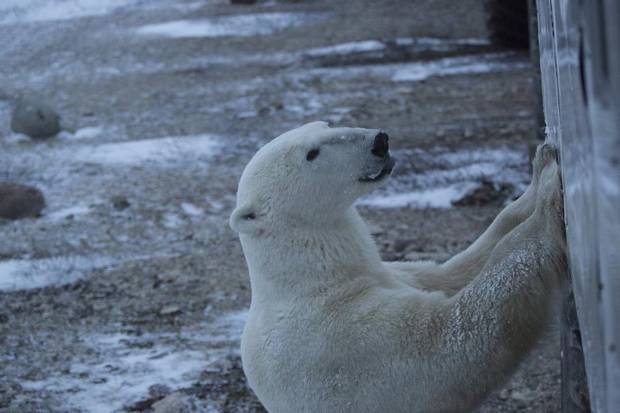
(312, 262)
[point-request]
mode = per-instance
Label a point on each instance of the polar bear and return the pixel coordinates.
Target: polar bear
(332, 328)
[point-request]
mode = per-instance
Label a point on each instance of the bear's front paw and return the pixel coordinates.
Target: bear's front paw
(545, 154)
(549, 195)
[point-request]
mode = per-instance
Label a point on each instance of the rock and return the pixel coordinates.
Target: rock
(142, 405)
(245, 2)
(487, 193)
(35, 119)
(173, 403)
(120, 202)
(401, 244)
(159, 391)
(20, 201)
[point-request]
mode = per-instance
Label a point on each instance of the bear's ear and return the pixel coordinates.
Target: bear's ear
(245, 219)
(319, 124)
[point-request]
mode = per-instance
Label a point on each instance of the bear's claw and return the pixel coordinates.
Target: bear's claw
(545, 154)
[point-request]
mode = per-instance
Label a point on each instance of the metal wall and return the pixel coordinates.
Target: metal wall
(580, 65)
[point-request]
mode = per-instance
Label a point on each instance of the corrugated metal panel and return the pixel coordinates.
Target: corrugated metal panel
(580, 64)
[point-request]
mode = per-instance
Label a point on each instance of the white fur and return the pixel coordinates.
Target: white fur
(332, 328)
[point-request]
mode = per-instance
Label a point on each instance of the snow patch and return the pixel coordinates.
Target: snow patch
(67, 212)
(125, 375)
(240, 25)
(448, 176)
(419, 44)
(86, 133)
(227, 328)
(24, 11)
(441, 44)
(13, 11)
(128, 365)
(172, 221)
(191, 209)
(425, 198)
(415, 72)
(159, 149)
(346, 48)
(16, 138)
(215, 205)
(29, 274)
(421, 70)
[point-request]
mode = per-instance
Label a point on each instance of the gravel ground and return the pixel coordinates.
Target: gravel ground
(129, 293)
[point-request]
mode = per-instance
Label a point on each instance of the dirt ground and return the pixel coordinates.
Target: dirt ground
(129, 293)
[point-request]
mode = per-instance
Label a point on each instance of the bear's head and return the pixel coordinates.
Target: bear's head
(309, 177)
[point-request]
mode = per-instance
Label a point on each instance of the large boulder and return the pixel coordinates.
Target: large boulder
(35, 119)
(20, 201)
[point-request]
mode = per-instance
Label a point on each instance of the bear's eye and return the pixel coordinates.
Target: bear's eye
(312, 154)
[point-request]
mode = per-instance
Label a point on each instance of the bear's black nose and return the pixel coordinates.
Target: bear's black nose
(380, 146)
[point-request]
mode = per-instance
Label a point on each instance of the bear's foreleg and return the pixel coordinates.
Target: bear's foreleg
(458, 271)
(493, 322)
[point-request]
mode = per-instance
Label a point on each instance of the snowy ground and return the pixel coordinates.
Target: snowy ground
(128, 365)
(130, 291)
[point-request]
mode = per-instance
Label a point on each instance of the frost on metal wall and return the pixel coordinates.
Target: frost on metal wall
(580, 64)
